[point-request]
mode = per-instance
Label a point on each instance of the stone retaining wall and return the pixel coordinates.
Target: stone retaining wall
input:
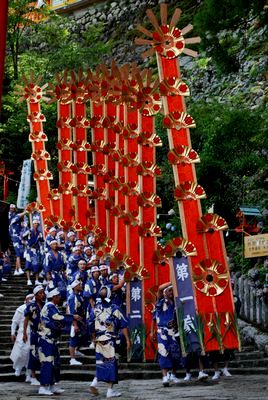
(108, 12)
(254, 308)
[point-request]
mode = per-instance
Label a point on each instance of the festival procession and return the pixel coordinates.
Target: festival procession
(96, 263)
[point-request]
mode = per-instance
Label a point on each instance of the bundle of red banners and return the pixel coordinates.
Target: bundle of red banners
(106, 131)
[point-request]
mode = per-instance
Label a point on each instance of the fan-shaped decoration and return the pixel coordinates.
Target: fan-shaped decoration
(147, 98)
(108, 148)
(149, 139)
(175, 86)
(97, 145)
(61, 92)
(181, 245)
(130, 189)
(101, 122)
(108, 177)
(211, 222)
(189, 191)
(32, 92)
(148, 199)
(183, 155)
(52, 220)
(65, 166)
(109, 204)
(42, 174)
(99, 193)
(64, 122)
(54, 194)
(130, 131)
(67, 225)
(37, 137)
(36, 116)
(66, 188)
(117, 155)
(79, 122)
(40, 155)
(129, 160)
(87, 229)
(81, 145)
(118, 183)
(79, 87)
(178, 120)
(98, 169)
(81, 168)
(148, 168)
(159, 256)
(65, 144)
(167, 40)
(118, 210)
(149, 229)
(102, 87)
(135, 271)
(35, 206)
(210, 277)
(151, 295)
(130, 218)
(82, 191)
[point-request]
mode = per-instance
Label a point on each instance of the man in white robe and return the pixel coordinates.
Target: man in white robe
(20, 351)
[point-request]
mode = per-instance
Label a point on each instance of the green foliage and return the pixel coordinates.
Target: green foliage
(55, 47)
(171, 226)
(216, 16)
(235, 251)
(46, 48)
(18, 22)
(12, 197)
(230, 142)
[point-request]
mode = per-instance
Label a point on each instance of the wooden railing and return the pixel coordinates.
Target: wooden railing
(254, 307)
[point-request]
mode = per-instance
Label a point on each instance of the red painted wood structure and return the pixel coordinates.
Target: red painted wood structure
(106, 135)
(208, 266)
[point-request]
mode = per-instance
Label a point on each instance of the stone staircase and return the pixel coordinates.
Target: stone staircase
(249, 361)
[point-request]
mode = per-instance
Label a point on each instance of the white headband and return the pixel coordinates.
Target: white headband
(53, 293)
(37, 289)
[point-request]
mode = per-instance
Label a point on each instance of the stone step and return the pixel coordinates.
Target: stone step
(89, 364)
(10, 298)
(252, 355)
(6, 320)
(87, 376)
(7, 314)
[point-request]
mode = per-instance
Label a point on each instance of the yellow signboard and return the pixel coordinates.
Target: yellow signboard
(256, 245)
(54, 4)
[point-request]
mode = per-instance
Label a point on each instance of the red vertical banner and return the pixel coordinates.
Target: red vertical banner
(65, 160)
(130, 160)
(97, 134)
(33, 94)
(81, 168)
(208, 268)
(108, 148)
(148, 228)
(120, 234)
(3, 35)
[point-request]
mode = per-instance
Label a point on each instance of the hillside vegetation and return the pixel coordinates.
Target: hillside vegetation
(228, 83)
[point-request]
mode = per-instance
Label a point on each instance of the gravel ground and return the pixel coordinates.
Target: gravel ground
(242, 387)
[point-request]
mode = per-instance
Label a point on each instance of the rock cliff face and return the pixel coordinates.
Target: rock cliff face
(248, 84)
(119, 18)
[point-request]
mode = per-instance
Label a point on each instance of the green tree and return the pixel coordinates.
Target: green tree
(19, 20)
(46, 47)
(231, 145)
(215, 16)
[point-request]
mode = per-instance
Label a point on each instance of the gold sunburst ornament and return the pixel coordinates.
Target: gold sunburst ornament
(210, 277)
(166, 39)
